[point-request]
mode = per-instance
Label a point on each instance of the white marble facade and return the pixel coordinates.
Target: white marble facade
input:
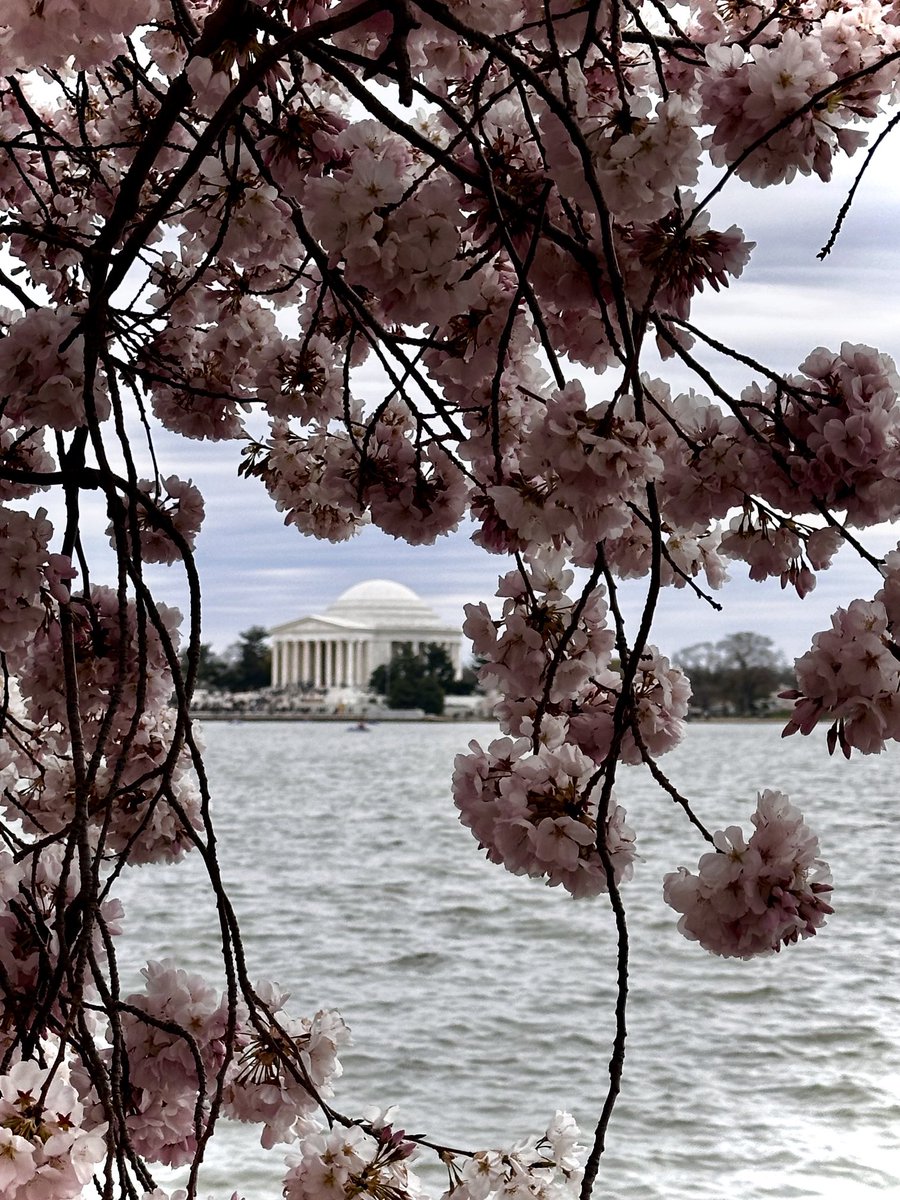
(357, 633)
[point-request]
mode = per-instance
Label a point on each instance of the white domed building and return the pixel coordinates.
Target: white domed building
(360, 631)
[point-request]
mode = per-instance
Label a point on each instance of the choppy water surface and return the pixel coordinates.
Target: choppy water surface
(480, 1002)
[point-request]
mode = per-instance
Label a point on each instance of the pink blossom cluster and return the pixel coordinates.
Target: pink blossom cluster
(703, 464)
(301, 380)
(174, 1034)
(579, 469)
(548, 1168)
(110, 659)
(140, 799)
(843, 425)
(24, 564)
(21, 452)
(781, 548)
(280, 1067)
(541, 631)
(30, 947)
(90, 31)
(531, 798)
(851, 676)
(370, 1159)
(661, 694)
(668, 264)
(326, 481)
(344, 1163)
(41, 362)
(45, 1154)
(165, 507)
(159, 1194)
(708, 460)
(537, 814)
(751, 898)
(203, 397)
(178, 1194)
(309, 478)
(792, 86)
(404, 250)
(640, 154)
(551, 654)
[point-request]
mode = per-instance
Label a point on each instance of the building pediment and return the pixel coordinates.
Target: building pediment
(317, 624)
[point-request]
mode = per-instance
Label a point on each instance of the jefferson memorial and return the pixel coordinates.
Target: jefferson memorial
(360, 631)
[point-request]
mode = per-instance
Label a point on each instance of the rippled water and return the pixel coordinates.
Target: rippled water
(480, 1002)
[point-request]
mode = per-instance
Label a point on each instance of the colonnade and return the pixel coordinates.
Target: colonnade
(321, 662)
(340, 661)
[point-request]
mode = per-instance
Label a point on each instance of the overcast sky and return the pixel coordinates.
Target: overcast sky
(257, 572)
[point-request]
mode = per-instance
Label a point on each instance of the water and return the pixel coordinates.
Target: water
(480, 1002)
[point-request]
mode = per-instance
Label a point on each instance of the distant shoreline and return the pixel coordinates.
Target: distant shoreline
(760, 719)
(401, 718)
(347, 718)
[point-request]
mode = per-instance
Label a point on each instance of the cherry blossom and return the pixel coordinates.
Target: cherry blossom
(282, 1067)
(43, 377)
(174, 1037)
(537, 814)
(351, 1162)
(173, 506)
(549, 1166)
(852, 676)
(753, 897)
(44, 1152)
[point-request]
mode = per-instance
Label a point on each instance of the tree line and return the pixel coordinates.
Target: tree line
(736, 675)
(246, 666)
(421, 680)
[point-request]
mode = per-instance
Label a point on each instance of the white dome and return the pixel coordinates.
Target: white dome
(381, 603)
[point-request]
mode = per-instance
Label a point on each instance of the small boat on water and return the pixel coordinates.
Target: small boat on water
(359, 727)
